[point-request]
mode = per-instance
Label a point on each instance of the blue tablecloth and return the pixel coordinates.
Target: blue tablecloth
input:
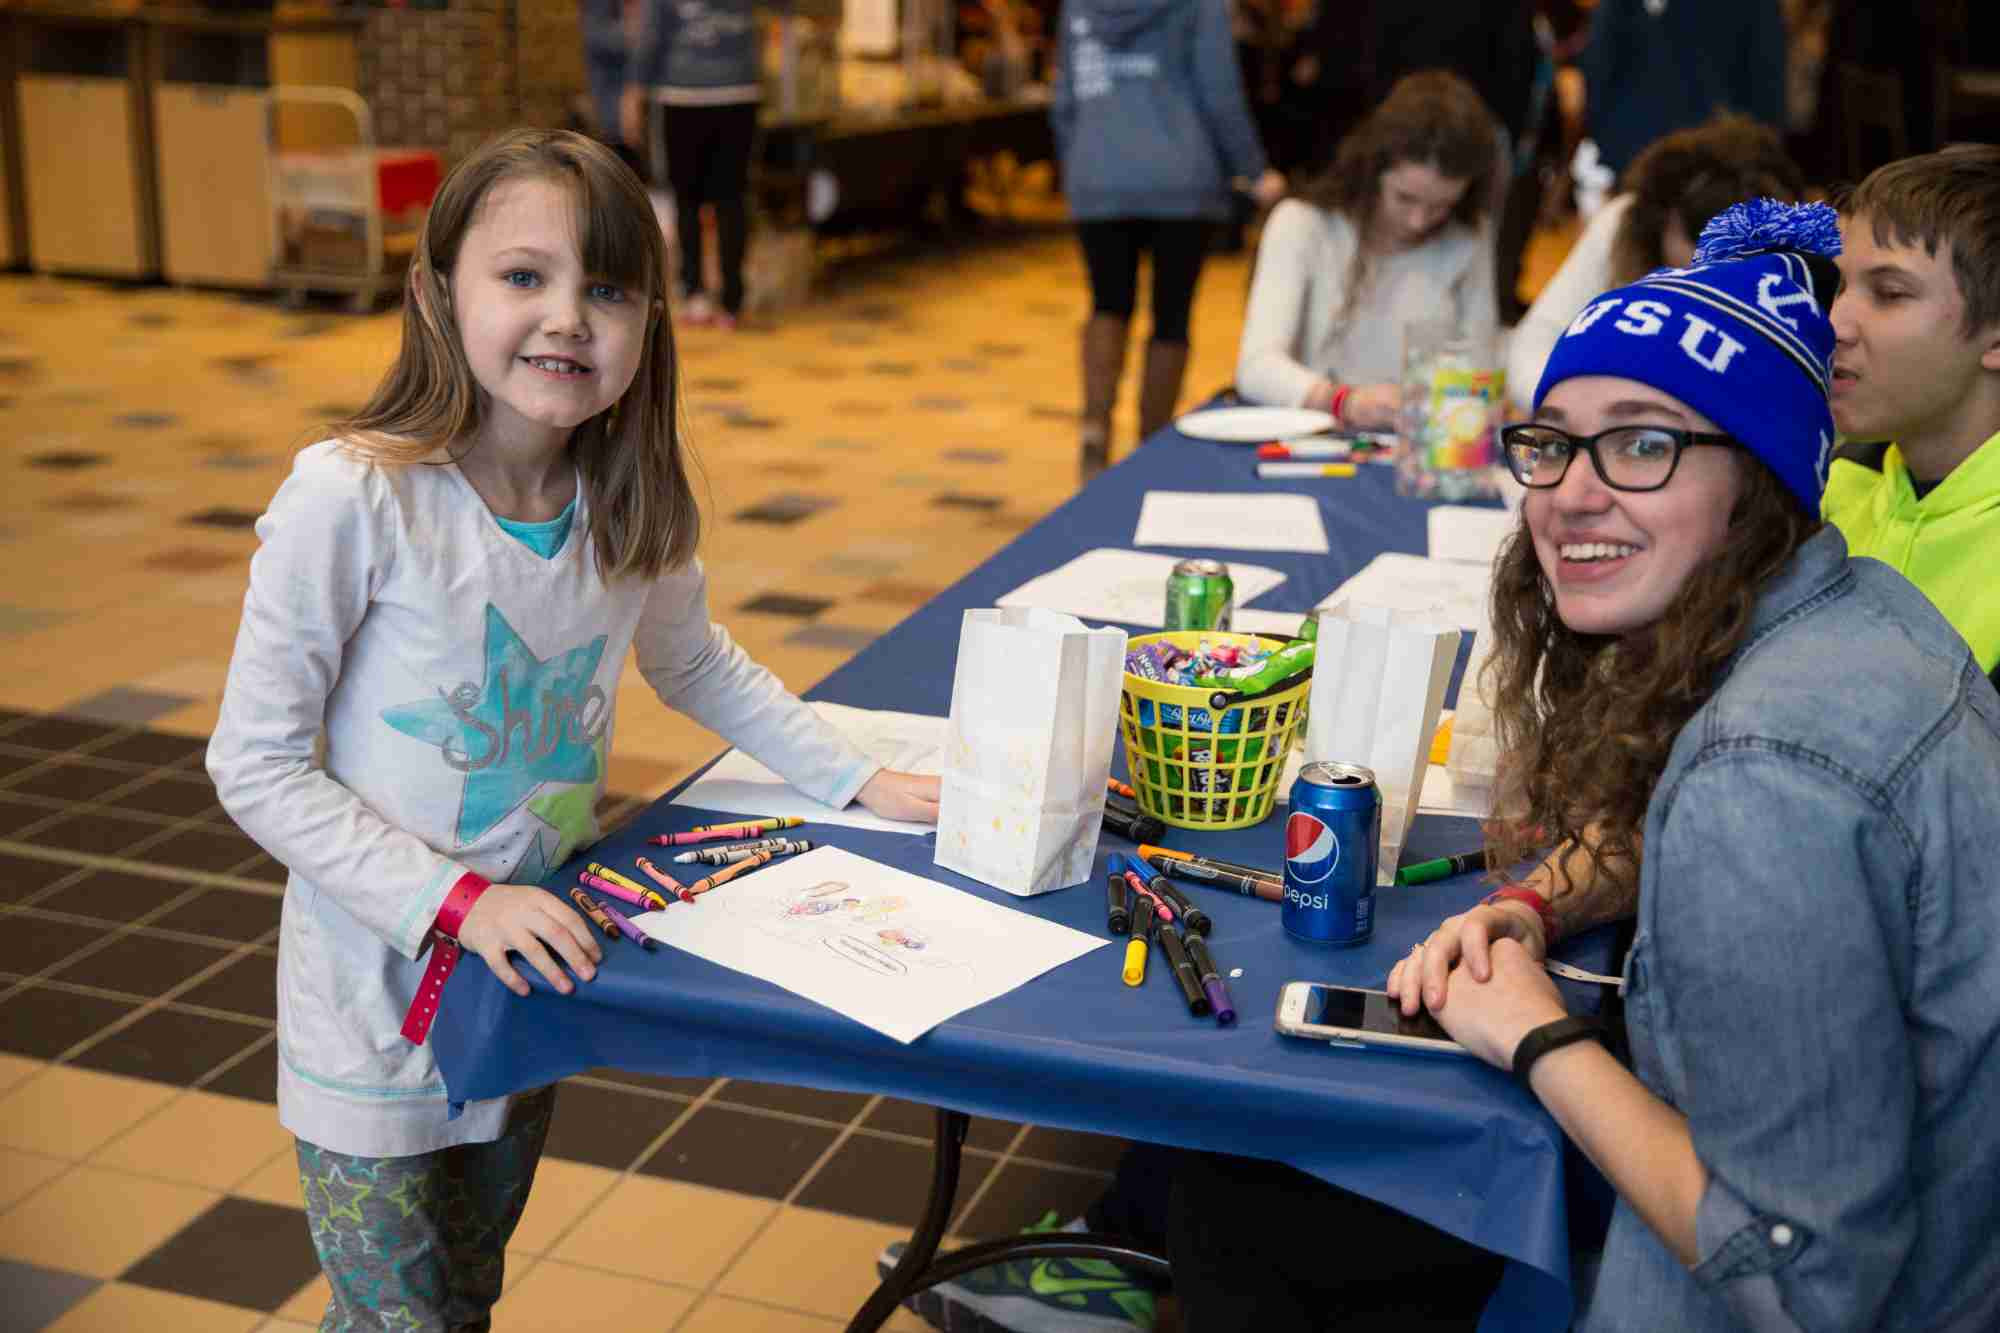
(1447, 1140)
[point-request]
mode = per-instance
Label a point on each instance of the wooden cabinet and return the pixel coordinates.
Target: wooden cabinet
(212, 147)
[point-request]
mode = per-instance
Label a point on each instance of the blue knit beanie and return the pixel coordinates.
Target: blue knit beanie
(1741, 336)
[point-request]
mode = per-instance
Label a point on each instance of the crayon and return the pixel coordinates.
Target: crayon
(1211, 980)
(591, 908)
(637, 897)
(704, 853)
(1143, 894)
(1192, 917)
(762, 824)
(723, 856)
(628, 928)
(615, 876)
(727, 873)
(663, 879)
(1172, 945)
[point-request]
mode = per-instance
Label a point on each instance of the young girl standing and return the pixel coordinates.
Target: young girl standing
(445, 594)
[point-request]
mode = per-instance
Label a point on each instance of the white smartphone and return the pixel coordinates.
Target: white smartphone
(1347, 1016)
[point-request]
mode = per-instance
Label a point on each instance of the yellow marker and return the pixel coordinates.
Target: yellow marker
(1441, 743)
(1270, 471)
(1135, 961)
(606, 872)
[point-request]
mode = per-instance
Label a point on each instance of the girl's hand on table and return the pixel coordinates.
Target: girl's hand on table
(1372, 407)
(1489, 1018)
(1420, 977)
(911, 797)
(531, 922)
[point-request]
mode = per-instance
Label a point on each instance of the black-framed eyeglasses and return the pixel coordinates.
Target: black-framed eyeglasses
(1627, 458)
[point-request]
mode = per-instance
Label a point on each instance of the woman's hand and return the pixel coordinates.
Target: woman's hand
(907, 796)
(1372, 407)
(1269, 188)
(1421, 976)
(1490, 1017)
(531, 922)
(632, 116)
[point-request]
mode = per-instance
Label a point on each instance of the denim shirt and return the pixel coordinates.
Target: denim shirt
(1815, 979)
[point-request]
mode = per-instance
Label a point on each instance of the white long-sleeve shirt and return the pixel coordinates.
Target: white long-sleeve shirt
(1585, 275)
(465, 687)
(1294, 332)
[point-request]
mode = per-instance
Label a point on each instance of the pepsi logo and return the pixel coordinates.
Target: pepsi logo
(1311, 848)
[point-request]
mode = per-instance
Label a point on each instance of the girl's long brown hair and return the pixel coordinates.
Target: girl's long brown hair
(1432, 117)
(643, 517)
(1585, 722)
(1695, 174)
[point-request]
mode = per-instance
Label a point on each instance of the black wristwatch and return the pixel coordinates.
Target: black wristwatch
(1552, 1037)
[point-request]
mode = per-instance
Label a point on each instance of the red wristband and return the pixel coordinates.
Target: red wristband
(1516, 894)
(444, 955)
(1340, 392)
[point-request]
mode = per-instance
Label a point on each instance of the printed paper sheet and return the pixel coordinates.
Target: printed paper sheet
(1126, 587)
(1277, 522)
(893, 951)
(1451, 591)
(907, 742)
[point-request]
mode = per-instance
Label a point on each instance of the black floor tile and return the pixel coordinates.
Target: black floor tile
(607, 1128)
(58, 733)
(264, 870)
(44, 1023)
(158, 748)
(141, 965)
(254, 1077)
(247, 986)
(785, 604)
(1071, 1147)
(736, 1150)
(72, 782)
(203, 849)
(1023, 1195)
(172, 795)
(37, 1297)
(884, 1181)
(111, 895)
(103, 834)
(228, 914)
(30, 943)
(23, 875)
(241, 1251)
(901, 1117)
(17, 815)
(170, 1047)
(689, 1088)
(839, 1107)
(11, 762)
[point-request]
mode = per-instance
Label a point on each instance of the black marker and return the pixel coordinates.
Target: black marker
(1133, 826)
(1118, 914)
(1177, 957)
(1211, 980)
(1195, 919)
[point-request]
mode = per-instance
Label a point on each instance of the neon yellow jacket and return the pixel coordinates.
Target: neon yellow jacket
(1947, 543)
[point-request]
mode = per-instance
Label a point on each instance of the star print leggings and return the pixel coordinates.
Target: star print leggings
(420, 1242)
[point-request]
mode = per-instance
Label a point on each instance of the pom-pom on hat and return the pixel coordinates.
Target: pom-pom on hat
(1741, 335)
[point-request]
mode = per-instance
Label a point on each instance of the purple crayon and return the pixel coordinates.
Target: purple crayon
(627, 928)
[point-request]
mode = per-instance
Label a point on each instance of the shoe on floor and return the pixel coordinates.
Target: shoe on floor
(697, 310)
(1033, 1296)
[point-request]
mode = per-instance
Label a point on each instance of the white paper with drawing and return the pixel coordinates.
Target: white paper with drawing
(888, 949)
(906, 742)
(1129, 587)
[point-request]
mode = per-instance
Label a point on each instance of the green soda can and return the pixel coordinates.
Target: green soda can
(1200, 596)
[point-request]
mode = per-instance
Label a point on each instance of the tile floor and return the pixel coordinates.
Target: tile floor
(144, 1180)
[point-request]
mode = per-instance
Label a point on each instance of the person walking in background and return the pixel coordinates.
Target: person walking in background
(1151, 127)
(700, 63)
(1655, 66)
(1389, 235)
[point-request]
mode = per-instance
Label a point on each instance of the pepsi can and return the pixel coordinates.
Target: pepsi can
(1331, 838)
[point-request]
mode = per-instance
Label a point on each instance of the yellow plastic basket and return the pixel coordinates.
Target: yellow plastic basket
(1201, 768)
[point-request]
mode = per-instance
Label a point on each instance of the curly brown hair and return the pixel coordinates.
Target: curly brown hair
(1695, 174)
(1585, 722)
(1432, 117)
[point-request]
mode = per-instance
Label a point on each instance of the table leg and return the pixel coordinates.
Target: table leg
(921, 1268)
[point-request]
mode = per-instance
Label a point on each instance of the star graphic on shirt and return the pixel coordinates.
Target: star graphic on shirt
(570, 811)
(532, 720)
(343, 1197)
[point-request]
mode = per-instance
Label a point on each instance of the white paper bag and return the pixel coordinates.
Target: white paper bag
(1378, 683)
(1474, 757)
(1034, 710)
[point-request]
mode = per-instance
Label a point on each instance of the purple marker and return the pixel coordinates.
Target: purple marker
(627, 928)
(1211, 979)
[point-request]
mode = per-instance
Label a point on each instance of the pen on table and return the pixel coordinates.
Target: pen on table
(1136, 951)
(637, 897)
(627, 927)
(663, 879)
(1305, 450)
(1117, 909)
(1211, 980)
(762, 824)
(1443, 867)
(1273, 471)
(727, 873)
(1124, 789)
(1174, 946)
(1192, 917)
(723, 853)
(593, 909)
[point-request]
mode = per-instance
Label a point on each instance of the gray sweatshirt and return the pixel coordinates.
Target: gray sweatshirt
(1149, 116)
(699, 52)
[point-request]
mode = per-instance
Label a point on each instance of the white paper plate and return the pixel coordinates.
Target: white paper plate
(1253, 425)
